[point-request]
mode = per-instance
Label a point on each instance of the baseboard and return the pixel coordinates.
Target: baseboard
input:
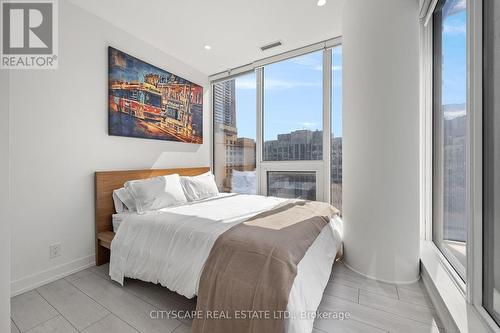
(36, 280)
(380, 280)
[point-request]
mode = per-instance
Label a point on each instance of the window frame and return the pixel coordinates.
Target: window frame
(212, 123)
(325, 81)
(463, 300)
(320, 167)
(479, 227)
(329, 105)
(437, 162)
(294, 172)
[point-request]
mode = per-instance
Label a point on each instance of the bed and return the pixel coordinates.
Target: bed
(171, 246)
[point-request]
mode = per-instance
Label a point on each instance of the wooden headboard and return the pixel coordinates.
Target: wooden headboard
(108, 181)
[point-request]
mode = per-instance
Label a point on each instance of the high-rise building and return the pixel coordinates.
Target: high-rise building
(225, 130)
(297, 145)
(224, 103)
(243, 158)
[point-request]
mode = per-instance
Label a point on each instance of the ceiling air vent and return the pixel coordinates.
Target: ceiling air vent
(270, 45)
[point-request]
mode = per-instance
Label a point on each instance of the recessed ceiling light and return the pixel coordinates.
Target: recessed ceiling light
(321, 3)
(207, 47)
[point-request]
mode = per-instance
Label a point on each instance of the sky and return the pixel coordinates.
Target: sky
(293, 88)
(292, 96)
(454, 56)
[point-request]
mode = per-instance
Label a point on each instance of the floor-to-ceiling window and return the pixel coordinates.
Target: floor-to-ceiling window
(336, 129)
(450, 131)
(491, 158)
(293, 109)
(293, 124)
(288, 114)
(234, 125)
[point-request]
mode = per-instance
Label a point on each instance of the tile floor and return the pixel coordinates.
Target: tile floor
(88, 301)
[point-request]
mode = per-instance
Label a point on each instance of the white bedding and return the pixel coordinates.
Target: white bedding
(170, 247)
(117, 219)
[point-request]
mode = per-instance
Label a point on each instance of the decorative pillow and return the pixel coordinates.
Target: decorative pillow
(123, 201)
(199, 187)
(156, 193)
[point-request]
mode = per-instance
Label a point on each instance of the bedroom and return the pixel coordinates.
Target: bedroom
(152, 152)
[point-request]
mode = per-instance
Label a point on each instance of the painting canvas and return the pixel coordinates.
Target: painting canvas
(148, 102)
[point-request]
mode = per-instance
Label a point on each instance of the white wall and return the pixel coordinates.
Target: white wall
(4, 204)
(381, 138)
(60, 137)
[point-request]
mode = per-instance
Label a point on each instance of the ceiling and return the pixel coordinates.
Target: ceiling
(235, 29)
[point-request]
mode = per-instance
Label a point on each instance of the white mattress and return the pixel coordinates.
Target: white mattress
(170, 247)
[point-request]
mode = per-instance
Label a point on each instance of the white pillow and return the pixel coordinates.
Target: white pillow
(156, 193)
(119, 206)
(199, 187)
(123, 201)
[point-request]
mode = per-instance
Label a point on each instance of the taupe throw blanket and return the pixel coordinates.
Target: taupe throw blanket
(251, 268)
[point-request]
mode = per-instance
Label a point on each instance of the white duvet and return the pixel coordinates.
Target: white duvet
(170, 247)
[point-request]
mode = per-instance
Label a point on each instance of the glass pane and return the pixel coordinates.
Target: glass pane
(450, 139)
(234, 134)
(292, 184)
(491, 151)
(336, 126)
(293, 104)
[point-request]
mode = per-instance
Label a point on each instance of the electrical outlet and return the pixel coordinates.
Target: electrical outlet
(55, 250)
